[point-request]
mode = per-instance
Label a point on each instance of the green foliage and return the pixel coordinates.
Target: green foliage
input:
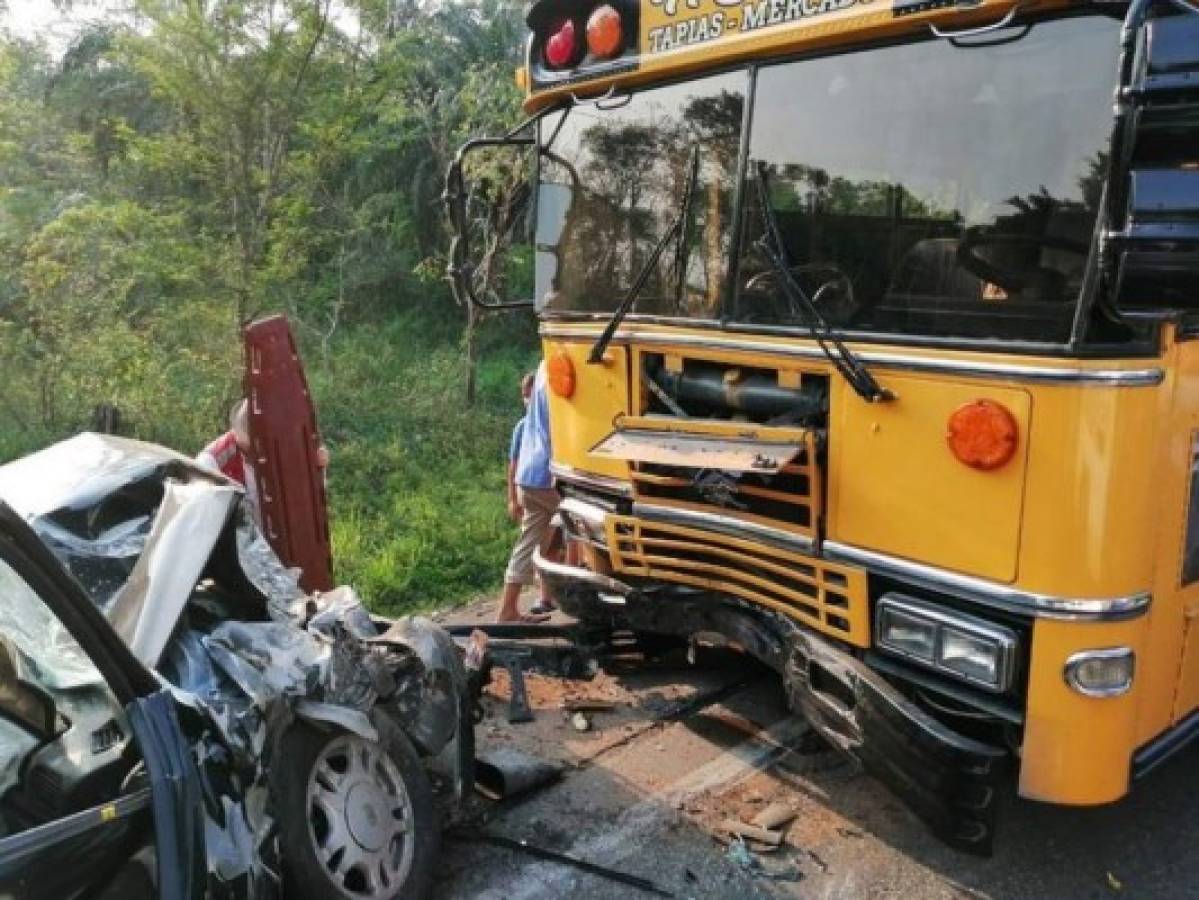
(192, 165)
(417, 481)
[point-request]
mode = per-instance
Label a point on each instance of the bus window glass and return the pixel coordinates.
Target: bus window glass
(613, 177)
(930, 190)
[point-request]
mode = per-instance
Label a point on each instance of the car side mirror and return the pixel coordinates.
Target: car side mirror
(490, 197)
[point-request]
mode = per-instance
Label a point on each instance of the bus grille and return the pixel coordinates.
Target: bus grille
(824, 596)
(788, 500)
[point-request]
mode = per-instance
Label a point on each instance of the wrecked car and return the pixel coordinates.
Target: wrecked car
(178, 718)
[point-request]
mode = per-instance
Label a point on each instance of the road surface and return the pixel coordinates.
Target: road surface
(645, 789)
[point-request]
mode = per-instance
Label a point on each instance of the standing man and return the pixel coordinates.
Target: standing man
(536, 501)
(526, 391)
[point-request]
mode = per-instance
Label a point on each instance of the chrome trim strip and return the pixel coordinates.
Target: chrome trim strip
(990, 593)
(1070, 671)
(590, 513)
(900, 362)
(591, 480)
(577, 574)
(727, 525)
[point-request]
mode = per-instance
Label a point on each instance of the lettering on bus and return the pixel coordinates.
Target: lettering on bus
(732, 17)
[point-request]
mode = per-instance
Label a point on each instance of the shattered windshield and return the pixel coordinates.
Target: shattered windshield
(48, 653)
(928, 189)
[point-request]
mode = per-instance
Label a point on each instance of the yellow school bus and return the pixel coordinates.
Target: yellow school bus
(869, 329)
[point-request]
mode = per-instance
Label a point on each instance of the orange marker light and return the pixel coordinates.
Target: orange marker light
(605, 32)
(982, 434)
(561, 374)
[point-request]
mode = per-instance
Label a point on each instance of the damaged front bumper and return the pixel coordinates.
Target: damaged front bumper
(949, 780)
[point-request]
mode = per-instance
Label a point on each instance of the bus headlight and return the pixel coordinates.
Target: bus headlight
(976, 659)
(970, 649)
(1101, 673)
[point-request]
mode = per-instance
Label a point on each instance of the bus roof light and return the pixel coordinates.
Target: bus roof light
(605, 32)
(562, 46)
(982, 434)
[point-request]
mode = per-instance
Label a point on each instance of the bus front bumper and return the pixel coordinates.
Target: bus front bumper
(949, 780)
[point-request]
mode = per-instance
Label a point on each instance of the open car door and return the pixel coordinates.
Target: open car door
(99, 792)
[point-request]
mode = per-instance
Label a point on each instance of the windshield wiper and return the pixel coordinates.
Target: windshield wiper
(677, 228)
(843, 360)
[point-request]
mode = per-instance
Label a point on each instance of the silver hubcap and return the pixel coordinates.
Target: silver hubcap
(360, 818)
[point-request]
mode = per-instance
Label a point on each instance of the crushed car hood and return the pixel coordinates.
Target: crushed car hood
(169, 554)
(135, 524)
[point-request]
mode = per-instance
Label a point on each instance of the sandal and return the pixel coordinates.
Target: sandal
(529, 618)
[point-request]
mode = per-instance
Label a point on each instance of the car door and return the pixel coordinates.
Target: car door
(99, 794)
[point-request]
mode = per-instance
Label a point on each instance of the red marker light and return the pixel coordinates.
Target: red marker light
(605, 33)
(561, 47)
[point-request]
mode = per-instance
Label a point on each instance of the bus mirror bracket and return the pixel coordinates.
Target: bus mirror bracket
(1148, 223)
(462, 271)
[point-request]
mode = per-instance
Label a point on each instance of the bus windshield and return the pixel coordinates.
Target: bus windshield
(614, 179)
(921, 189)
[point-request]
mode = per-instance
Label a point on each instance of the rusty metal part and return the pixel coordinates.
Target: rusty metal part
(283, 431)
(518, 703)
(697, 451)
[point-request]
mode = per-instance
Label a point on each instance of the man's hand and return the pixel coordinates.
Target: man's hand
(515, 513)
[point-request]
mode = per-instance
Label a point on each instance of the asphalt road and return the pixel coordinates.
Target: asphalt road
(646, 787)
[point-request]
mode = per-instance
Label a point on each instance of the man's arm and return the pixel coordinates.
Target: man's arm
(514, 510)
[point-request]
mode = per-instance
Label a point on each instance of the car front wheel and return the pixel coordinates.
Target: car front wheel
(356, 816)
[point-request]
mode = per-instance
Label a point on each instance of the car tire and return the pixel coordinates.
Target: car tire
(356, 817)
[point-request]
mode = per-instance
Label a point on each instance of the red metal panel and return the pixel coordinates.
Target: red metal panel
(283, 430)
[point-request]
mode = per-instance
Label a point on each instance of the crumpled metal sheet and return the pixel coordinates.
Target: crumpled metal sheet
(430, 715)
(279, 584)
(91, 479)
(148, 605)
(141, 527)
(320, 661)
(95, 499)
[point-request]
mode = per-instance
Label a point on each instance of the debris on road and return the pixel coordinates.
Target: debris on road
(506, 772)
(739, 855)
(580, 722)
(753, 832)
(522, 846)
(588, 706)
(776, 815)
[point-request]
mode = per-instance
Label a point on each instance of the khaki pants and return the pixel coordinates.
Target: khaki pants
(539, 505)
